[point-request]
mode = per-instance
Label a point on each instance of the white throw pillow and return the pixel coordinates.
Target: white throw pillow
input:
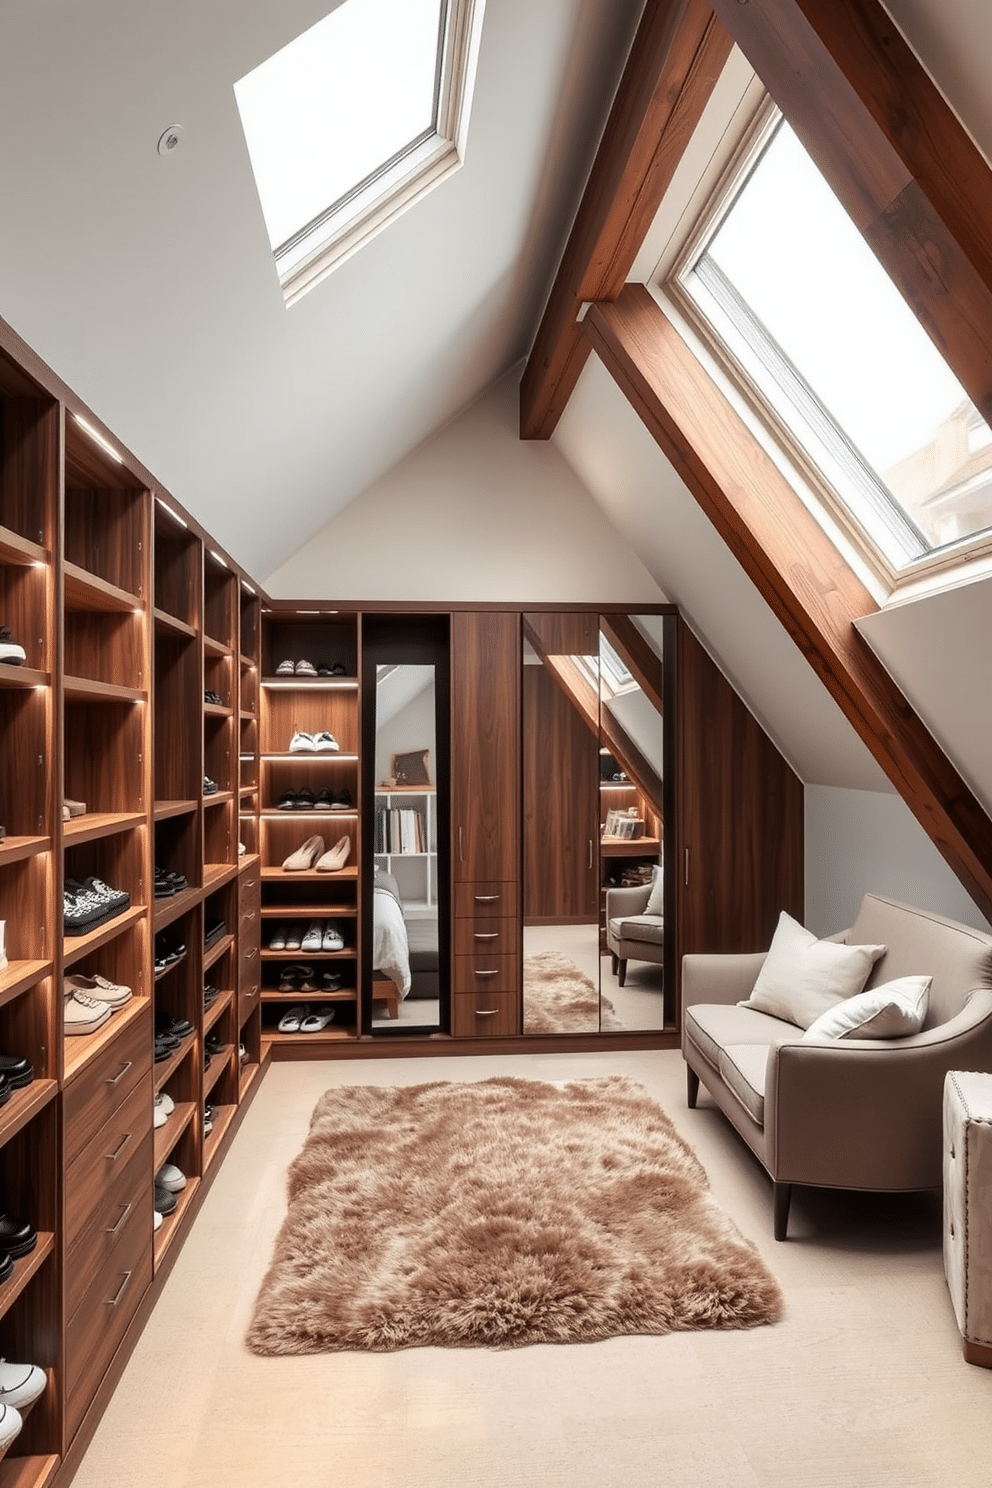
(803, 977)
(893, 1010)
(656, 899)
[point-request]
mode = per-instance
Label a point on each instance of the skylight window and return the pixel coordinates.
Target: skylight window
(792, 290)
(353, 121)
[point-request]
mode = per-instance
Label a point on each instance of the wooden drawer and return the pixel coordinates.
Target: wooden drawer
(101, 1319)
(484, 973)
(104, 1228)
(484, 1014)
(111, 1149)
(249, 893)
(102, 1087)
(492, 899)
(487, 936)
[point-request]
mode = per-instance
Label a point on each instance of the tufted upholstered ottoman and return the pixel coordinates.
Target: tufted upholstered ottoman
(968, 1208)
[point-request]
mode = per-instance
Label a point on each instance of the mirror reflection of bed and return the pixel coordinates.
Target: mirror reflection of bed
(405, 960)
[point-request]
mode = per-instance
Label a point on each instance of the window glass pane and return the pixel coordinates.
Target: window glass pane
(338, 103)
(805, 274)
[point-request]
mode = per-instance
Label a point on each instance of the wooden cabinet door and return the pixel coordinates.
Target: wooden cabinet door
(739, 858)
(561, 806)
(485, 745)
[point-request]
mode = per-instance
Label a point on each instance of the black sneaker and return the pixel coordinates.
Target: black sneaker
(17, 1070)
(17, 1236)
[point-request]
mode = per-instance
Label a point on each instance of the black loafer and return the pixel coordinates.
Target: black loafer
(6, 1266)
(17, 1069)
(17, 1236)
(6, 1090)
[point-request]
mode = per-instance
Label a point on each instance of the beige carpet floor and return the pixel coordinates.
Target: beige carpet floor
(862, 1384)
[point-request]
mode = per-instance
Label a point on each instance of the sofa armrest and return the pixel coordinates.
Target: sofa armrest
(722, 979)
(823, 1099)
(632, 900)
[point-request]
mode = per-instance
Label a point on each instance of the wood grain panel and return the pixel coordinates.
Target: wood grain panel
(486, 899)
(893, 152)
(794, 566)
(29, 431)
(561, 805)
(485, 728)
(485, 1015)
(89, 1103)
(487, 935)
(677, 56)
(483, 973)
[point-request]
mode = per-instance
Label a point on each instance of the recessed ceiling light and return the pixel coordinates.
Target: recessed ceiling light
(170, 139)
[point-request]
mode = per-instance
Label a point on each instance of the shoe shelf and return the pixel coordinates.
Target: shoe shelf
(167, 1136)
(171, 625)
(86, 690)
(24, 1105)
(163, 1071)
(272, 997)
(172, 907)
(217, 798)
(20, 551)
(86, 591)
(340, 875)
(218, 710)
(23, 678)
(19, 976)
(76, 947)
(95, 824)
(27, 1472)
(16, 849)
(172, 1224)
(223, 1116)
(214, 953)
(217, 1009)
(81, 1050)
(218, 649)
(220, 1065)
(165, 810)
(25, 1269)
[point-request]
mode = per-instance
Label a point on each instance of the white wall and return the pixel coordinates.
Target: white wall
(474, 513)
(858, 841)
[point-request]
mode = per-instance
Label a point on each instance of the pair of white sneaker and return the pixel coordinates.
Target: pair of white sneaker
(321, 743)
(20, 1385)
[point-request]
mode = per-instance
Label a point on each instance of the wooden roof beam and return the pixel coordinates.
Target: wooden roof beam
(676, 58)
(793, 564)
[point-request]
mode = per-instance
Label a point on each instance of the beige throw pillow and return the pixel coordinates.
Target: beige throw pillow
(804, 977)
(893, 1010)
(656, 899)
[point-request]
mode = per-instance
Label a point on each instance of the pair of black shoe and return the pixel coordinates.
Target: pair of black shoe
(210, 995)
(169, 1034)
(18, 1237)
(168, 950)
(213, 933)
(168, 882)
(89, 902)
(210, 696)
(15, 1073)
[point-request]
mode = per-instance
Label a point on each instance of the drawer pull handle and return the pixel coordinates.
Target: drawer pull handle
(113, 1301)
(486, 1012)
(112, 1229)
(486, 935)
(116, 1079)
(113, 1156)
(486, 973)
(486, 898)
(250, 953)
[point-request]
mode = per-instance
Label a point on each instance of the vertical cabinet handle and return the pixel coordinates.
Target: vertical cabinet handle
(590, 852)
(461, 847)
(687, 867)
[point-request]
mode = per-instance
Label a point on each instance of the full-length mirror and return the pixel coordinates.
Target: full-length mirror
(403, 977)
(594, 922)
(631, 813)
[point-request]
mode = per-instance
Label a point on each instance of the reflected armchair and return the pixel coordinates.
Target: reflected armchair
(632, 934)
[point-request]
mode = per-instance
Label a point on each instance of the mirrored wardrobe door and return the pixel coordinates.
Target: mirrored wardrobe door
(561, 880)
(632, 815)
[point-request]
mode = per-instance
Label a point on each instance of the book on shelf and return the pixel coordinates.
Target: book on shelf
(626, 825)
(399, 830)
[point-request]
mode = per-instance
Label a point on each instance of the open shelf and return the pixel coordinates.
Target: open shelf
(82, 1049)
(94, 824)
(86, 591)
(168, 1135)
(77, 946)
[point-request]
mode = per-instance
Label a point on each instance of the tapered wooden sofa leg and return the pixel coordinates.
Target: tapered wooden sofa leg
(691, 1087)
(622, 970)
(781, 1199)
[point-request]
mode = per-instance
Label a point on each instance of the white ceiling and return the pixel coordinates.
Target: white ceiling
(147, 283)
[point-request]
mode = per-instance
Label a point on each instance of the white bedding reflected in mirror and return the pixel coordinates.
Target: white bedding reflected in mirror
(405, 991)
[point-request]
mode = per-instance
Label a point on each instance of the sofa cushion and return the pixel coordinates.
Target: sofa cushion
(656, 899)
(894, 1010)
(640, 927)
(742, 1068)
(713, 1026)
(803, 977)
(958, 956)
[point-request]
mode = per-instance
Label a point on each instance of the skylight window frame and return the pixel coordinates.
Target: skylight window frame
(343, 227)
(825, 474)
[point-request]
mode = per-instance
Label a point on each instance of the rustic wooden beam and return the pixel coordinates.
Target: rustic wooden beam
(795, 567)
(677, 56)
(644, 665)
(894, 153)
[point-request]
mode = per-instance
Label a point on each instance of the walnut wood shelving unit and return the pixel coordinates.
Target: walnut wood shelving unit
(127, 613)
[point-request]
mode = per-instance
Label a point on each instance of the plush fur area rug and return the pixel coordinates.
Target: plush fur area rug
(497, 1214)
(559, 998)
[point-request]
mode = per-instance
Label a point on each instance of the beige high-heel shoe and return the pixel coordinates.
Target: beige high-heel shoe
(305, 855)
(336, 858)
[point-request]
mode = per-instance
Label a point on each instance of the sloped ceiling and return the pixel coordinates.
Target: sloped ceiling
(147, 282)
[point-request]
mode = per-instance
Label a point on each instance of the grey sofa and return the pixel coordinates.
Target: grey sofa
(631, 934)
(851, 1113)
